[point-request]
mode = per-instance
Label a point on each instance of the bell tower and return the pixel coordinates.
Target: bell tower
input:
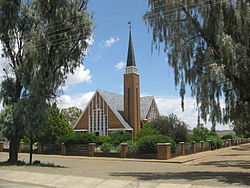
(132, 90)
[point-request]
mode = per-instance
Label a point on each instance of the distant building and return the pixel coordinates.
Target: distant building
(107, 112)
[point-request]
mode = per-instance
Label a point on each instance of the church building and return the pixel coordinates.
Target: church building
(107, 112)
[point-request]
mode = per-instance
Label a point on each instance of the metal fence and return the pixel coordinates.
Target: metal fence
(78, 148)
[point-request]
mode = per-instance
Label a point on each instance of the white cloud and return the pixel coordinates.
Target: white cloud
(80, 75)
(120, 65)
(169, 105)
(90, 41)
(111, 41)
(66, 101)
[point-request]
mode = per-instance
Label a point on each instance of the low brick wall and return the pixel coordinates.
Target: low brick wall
(163, 150)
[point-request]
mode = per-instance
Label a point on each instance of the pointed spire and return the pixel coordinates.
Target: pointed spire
(131, 55)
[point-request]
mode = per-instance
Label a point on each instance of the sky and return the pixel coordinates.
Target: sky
(103, 66)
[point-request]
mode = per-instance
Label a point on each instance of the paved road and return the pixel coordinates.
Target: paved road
(5, 184)
(224, 167)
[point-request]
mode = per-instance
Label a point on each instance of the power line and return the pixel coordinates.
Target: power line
(30, 35)
(59, 41)
(59, 23)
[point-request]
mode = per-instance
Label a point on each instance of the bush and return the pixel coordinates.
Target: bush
(148, 144)
(118, 137)
(106, 147)
(216, 141)
(200, 133)
(172, 127)
(146, 131)
(102, 139)
(132, 147)
(77, 138)
(228, 136)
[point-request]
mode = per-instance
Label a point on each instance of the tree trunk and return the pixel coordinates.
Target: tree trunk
(14, 147)
(31, 149)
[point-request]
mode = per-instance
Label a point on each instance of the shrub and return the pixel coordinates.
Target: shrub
(171, 126)
(77, 138)
(146, 131)
(118, 137)
(228, 136)
(132, 147)
(216, 141)
(147, 125)
(200, 133)
(148, 144)
(102, 139)
(106, 147)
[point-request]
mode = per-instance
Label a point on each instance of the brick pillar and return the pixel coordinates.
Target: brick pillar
(20, 147)
(1, 146)
(92, 149)
(193, 146)
(209, 145)
(39, 149)
(63, 149)
(202, 145)
(182, 147)
(229, 142)
(124, 150)
(164, 151)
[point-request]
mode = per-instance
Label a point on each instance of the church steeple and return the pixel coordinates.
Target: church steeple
(131, 55)
(131, 66)
(132, 90)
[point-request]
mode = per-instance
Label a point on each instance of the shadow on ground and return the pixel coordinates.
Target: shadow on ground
(242, 148)
(233, 155)
(35, 163)
(242, 178)
(245, 164)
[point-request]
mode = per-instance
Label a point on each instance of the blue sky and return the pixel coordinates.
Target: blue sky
(102, 68)
(111, 20)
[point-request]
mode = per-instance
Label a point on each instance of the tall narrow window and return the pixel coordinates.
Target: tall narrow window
(98, 123)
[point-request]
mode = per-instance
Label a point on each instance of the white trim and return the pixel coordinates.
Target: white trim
(131, 70)
(78, 130)
(118, 129)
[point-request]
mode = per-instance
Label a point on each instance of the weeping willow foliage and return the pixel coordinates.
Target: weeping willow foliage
(208, 45)
(44, 41)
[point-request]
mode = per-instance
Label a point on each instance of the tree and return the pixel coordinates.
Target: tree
(200, 133)
(172, 127)
(71, 114)
(56, 127)
(208, 45)
(43, 43)
(146, 131)
(241, 129)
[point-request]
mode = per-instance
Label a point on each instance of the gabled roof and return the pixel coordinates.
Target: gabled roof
(115, 103)
(145, 106)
